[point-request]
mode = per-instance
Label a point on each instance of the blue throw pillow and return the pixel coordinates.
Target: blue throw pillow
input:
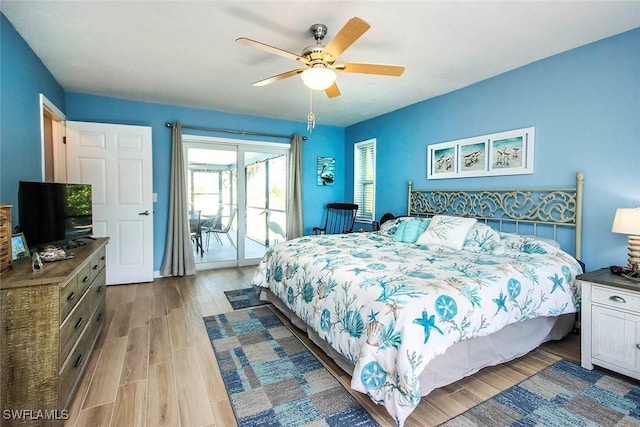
(408, 231)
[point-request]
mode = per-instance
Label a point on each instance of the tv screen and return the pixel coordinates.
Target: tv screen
(54, 213)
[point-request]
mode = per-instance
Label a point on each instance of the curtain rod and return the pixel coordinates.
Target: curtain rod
(239, 132)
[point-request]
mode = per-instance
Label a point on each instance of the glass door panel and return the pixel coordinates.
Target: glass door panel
(266, 184)
(212, 190)
(243, 211)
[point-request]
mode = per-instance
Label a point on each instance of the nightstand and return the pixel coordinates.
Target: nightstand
(610, 329)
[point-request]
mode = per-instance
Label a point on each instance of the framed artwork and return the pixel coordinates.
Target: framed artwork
(473, 157)
(326, 170)
(19, 247)
(442, 160)
(502, 153)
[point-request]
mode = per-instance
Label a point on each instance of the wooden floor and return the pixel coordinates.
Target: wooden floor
(154, 364)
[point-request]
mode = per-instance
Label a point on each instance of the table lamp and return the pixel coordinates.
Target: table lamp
(627, 221)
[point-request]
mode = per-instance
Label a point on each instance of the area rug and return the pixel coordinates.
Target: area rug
(243, 298)
(563, 394)
(272, 379)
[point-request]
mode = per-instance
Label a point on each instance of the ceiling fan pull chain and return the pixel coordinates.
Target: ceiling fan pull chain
(311, 118)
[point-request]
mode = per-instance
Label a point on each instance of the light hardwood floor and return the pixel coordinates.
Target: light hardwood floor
(154, 365)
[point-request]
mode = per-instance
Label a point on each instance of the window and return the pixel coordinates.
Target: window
(364, 179)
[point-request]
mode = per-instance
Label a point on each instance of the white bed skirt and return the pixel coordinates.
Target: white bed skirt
(464, 358)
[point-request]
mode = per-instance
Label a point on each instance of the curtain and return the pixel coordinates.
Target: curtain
(295, 223)
(178, 257)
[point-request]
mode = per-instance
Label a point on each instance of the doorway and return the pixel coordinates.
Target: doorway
(241, 211)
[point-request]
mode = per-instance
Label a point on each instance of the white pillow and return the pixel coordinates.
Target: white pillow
(449, 231)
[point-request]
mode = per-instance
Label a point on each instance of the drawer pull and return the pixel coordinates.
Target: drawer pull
(102, 257)
(78, 361)
(95, 267)
(638, 346)
(99, 318)
(85, 279)
(79, 323)
(71, 296)
(616, 298)
(99, 289)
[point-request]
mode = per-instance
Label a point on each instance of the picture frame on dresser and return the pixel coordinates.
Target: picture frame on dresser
(19, 247)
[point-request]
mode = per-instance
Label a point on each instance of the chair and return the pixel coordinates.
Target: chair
(339, 219)
(195, 227)
(224, 230)
(212, 223)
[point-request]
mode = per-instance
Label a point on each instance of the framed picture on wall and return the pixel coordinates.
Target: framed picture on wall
(442, 160)
(503, 153)
(472, 160)
(511, 152)
(326, 170)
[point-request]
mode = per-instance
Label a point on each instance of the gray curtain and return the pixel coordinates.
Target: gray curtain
(295, 223)
(178, 257)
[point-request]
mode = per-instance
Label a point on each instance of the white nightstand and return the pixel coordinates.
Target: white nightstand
(610, 329)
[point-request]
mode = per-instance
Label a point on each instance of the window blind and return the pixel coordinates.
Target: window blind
(364, 179)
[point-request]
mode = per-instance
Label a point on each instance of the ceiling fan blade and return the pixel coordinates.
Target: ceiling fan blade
(351, 32)
(332, 91)
(278, 77)
(381, 69)
(272, 49)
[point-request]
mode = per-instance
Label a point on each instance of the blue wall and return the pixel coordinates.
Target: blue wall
(23, 77)
(584, 103)
(585, 106)
(324, 141)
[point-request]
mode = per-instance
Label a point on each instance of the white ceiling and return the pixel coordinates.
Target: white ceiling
(184, 52)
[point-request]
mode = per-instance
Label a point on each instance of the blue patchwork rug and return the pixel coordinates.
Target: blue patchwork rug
(562, 395)
(244, 298)
(272, 379)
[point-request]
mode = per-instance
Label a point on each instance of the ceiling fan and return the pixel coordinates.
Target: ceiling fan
(320, 60)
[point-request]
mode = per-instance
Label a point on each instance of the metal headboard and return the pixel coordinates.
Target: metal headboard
(550, 207)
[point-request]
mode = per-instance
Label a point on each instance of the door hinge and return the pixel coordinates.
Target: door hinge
(64, 140)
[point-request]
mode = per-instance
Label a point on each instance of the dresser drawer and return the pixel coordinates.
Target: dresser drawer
(72, 371)
(616, 298)
(73, 326)
(98, 290)
(69, 297)
(84, 278)
(98, 262)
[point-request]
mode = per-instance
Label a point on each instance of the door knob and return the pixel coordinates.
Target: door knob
(144, 213)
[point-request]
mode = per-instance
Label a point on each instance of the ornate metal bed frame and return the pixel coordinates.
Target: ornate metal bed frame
(548, 207)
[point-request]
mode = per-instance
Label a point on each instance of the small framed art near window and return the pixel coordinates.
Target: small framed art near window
(19, 247)
(502, 153)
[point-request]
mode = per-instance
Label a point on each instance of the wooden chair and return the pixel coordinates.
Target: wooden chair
(339, 218)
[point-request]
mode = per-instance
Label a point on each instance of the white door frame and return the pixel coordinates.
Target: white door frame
(58, 130)
(240, 146)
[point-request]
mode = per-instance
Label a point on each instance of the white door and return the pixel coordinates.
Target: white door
(116, 160)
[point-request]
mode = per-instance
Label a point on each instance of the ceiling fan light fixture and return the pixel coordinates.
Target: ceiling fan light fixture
(318, 78)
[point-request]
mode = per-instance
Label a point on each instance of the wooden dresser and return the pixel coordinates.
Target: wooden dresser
(50, 321)
(5, 238)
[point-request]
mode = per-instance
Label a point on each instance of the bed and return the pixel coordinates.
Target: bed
(466, 279)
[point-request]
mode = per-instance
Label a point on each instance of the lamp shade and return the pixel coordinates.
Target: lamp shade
(627, 221)
(318, 78)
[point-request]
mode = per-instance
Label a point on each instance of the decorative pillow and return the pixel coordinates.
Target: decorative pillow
(449, 231)
(527, 244)
(482, 238)
(390, 227)
(408, 231)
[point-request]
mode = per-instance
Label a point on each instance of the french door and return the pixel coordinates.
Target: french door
(238, 191)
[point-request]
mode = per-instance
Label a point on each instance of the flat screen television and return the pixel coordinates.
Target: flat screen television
(54, 213)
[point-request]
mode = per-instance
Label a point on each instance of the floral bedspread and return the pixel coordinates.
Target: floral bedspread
(391, 307)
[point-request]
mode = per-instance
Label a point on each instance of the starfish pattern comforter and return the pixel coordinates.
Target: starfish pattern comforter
(391, 307)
